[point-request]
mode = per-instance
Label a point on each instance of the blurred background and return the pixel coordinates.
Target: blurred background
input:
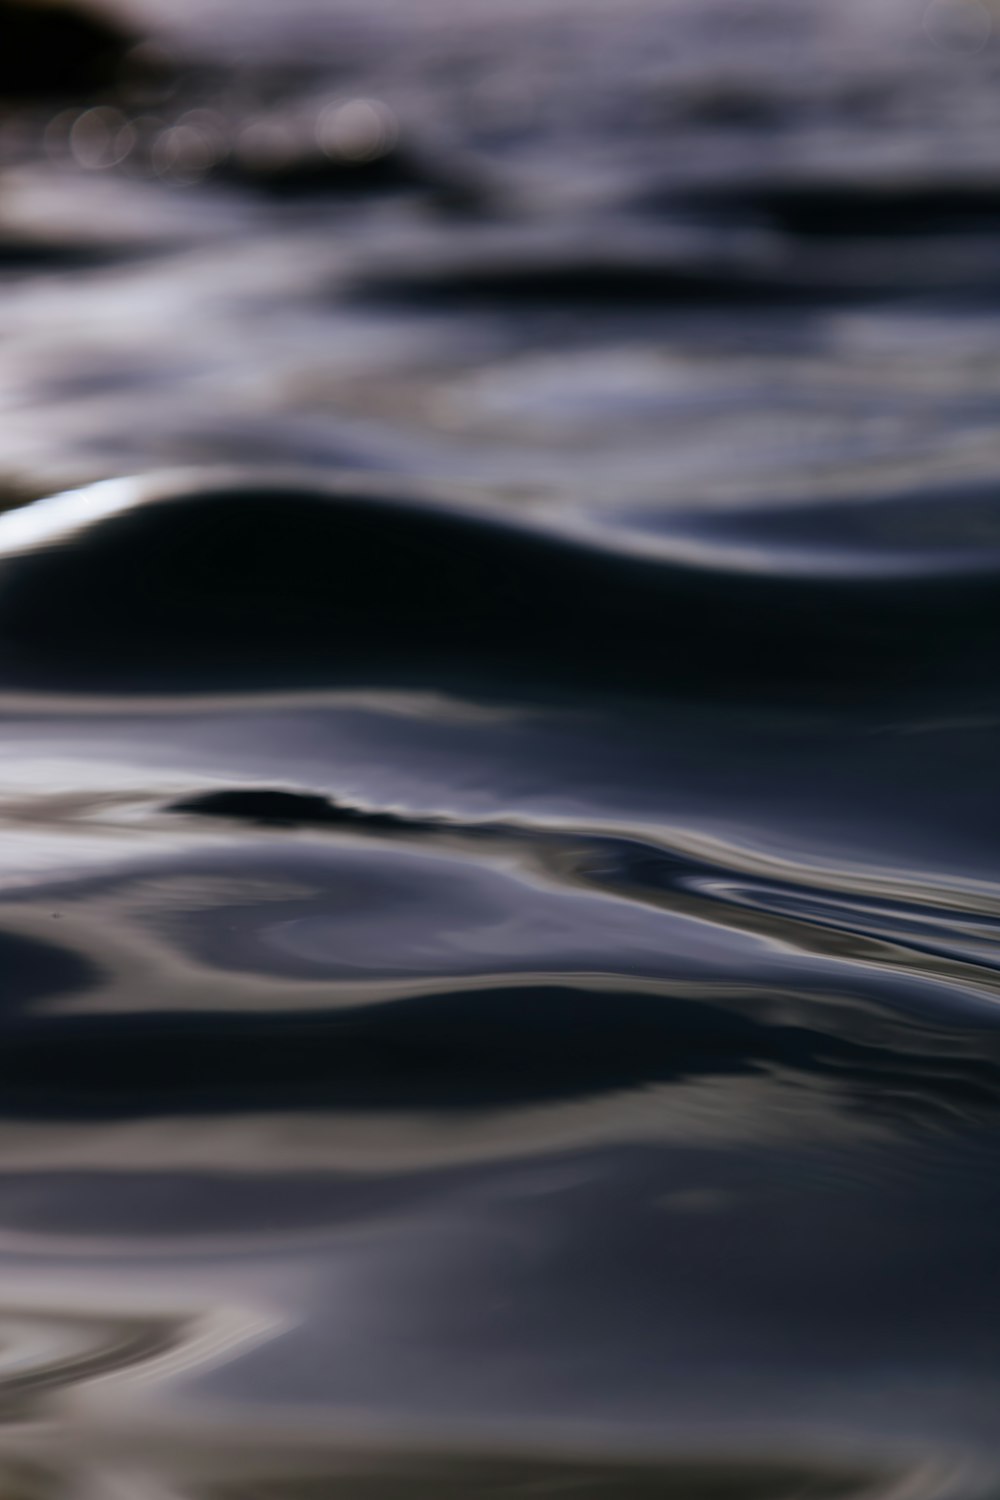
(664, 253)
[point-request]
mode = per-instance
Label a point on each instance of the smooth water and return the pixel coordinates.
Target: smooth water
(499, 902)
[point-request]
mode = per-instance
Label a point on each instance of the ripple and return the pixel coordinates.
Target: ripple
(500, 950)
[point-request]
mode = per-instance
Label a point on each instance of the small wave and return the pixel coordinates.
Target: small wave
(160, 588)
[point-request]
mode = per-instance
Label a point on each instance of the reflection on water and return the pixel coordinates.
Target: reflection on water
(499, 912)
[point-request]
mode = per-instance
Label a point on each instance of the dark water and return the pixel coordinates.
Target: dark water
(499, 901)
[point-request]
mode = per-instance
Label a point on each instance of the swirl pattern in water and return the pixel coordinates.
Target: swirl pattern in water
(499, 627)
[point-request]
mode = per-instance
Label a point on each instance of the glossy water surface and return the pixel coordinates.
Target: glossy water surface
(499, 902)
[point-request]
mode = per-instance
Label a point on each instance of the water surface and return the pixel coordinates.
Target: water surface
(499, 621)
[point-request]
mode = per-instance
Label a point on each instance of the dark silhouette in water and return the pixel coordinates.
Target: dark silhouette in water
(231, 588)
(273, 807)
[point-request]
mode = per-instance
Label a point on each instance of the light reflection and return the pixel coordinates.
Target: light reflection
(961, 26)
(184, 153)
(357, 129)
(101, 137)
